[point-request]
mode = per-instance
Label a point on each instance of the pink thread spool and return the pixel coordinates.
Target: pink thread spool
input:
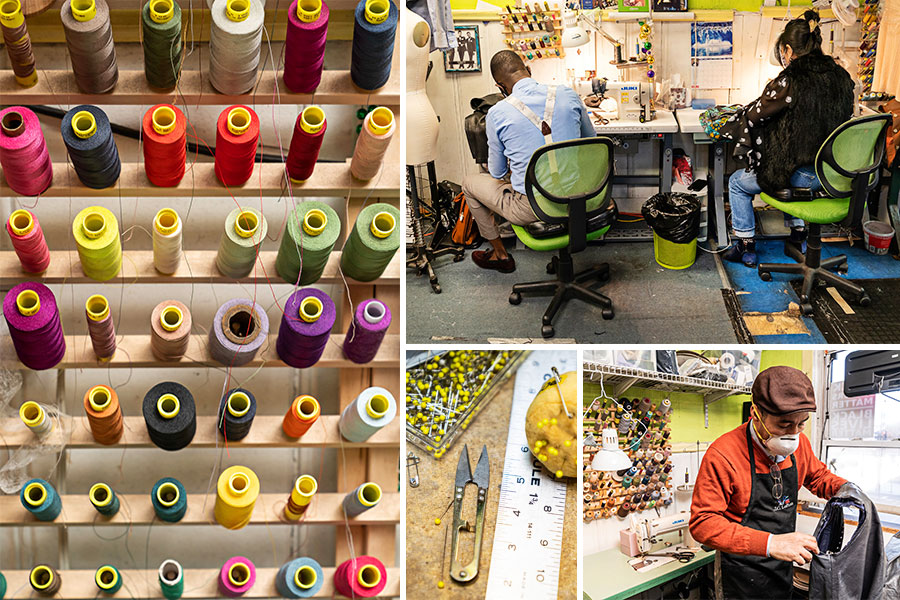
(237, 576)
(28, 241)
(23, 152)
(363, 577)
(304, 45)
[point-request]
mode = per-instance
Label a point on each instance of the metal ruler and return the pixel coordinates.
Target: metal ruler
(528, 534)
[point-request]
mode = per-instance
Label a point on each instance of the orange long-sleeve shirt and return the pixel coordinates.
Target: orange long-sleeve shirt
(722, 491)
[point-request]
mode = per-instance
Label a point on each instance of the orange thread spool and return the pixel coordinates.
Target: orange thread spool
(104, 414)
(303, 413)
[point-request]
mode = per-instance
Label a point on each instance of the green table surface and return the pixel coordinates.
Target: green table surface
(608, 576)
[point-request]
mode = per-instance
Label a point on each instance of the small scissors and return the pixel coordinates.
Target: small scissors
(682, 557)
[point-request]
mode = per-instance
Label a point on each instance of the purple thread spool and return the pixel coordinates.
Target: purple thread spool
(309, 315)
(34, 326)
(304, 45)
(239, 328)
(370, 323)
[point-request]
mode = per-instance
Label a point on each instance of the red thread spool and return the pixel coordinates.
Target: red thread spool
(104, 414)
(309, 131)
(28, 241)
(237, 132)
(165, 144)
(303, 413)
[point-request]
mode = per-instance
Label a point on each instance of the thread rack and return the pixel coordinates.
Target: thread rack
(533, 34)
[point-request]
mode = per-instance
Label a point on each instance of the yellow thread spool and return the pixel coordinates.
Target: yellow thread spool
(28, 303)
(315, 221)
(383, 224)
(377, 406)
(94, 224)
(162, 11)
(171, 318)
(307, 408)
(310, 309)
(83, 10)
(11, 14)
(238, 574)
(101, 495)
(305, 488)
(99, 398)
(97, 307)
(308, 10)
(236, 494)
(238, 483)
(238, 404)
(237, 10)
(377, 11)
(312, 119)
(106, 578)
(305, 577)
(368, 576)
(84, 125)
(381, 120)
(163, 120)
(21, 222)
(41, 577)
(166, 221)
(168, 406)
(246, 224)
(239, 121)
(167, 494)
(35, 494)
(369, 494)
(34, 417)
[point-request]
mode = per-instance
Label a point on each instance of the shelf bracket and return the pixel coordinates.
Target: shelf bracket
(625, 385)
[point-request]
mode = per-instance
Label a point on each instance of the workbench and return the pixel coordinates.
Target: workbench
(608, 576)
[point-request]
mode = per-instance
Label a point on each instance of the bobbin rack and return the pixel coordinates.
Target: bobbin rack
(346, 464)
(533, 33)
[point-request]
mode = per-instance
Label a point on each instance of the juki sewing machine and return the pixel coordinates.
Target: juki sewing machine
(634, 98)
(638, 539)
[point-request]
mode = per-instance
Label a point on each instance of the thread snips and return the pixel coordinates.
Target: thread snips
(482, 479)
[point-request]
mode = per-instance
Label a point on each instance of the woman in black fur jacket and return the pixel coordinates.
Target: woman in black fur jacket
(778, 135)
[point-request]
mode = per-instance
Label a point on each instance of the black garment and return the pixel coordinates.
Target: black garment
(476, 133)
(892, 568)
(783, 129)
(745, 576)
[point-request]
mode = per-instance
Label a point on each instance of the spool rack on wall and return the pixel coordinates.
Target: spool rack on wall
(534, 33)
(377, 459)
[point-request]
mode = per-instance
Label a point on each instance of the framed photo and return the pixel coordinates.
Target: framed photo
(466, 57)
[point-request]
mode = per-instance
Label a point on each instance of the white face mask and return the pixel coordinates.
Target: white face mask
(783, 445)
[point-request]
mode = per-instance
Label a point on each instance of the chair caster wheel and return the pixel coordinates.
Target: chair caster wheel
(436, 287)
(843, 268)
(765, 276)
(804, 299)
(551, 268)
(459, 257)
(806, 309)
(607, 313)
(864, 300)
(547, 331)
(515, 298)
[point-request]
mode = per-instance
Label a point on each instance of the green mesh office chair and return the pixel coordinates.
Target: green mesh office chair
(847, 165)
(568, 186)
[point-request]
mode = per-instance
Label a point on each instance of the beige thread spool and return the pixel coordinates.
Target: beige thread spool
(372, 144)
(170, 330)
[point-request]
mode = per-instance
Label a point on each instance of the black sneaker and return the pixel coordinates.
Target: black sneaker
(742, 251)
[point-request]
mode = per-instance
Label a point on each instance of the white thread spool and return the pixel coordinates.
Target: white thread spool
(374, 408)
(35, 417)
(167, 241)
(235, 39)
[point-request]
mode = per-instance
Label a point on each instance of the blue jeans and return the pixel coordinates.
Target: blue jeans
(742, 186)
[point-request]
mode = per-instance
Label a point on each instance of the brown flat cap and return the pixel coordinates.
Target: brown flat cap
(783, 390)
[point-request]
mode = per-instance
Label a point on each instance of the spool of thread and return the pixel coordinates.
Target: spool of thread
(309, 237)
(372, 242)
(89, 140)
(2, 586)
(100, 327)
(164, 137)
(170, 330)
(300, 417)
(309, 315)
(23, 152)
(237, 132)
(370, 323)
(374, 29)
(363, 577)
(108, 580)
(89, 39)
(305, 487)
(304, 45)
(34, 326)
(372, 144)
(40, 499)
(309, 131)
(361, 499)
(18, 43)
(35, 418)
(161, 39)
(104, 499)
(170, 415)
(299, 578)
(101, 404)
(239, 329)
(96, 234)
(44, 580)
(664, 407)
(236, 411)
(169, 500)
(237, 576)
(245, 230)
(171, 579)
(234, 45)
(374, 408)
(167, 241)
(645, 404)
(236, 493)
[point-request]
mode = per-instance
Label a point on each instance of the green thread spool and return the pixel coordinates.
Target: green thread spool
(96, 234)
(372, 242)
(245, 229)
(171, 579)
(312, 229)
(108, 579)
(161, 26)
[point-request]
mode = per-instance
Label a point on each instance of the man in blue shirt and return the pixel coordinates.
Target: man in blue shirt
(514, 132)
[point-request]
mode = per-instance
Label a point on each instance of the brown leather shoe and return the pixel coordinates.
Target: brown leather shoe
(485, 259)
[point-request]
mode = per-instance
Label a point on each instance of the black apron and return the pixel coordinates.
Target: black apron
(746, 576)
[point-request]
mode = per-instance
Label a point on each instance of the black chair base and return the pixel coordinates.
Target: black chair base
(568, 285)
(423, 256)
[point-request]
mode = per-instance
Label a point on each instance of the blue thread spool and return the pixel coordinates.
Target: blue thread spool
(373, 43)
(104, 499)
(169, 499)
(299, 578)
(108, 579)
(41, 499)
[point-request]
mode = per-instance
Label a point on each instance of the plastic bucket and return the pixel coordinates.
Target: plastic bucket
(877, 236)
(674, 256)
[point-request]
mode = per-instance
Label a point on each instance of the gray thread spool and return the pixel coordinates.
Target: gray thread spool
(374, 408)
(245, 229)
(235, 40)
(362, 499)
(89, 39)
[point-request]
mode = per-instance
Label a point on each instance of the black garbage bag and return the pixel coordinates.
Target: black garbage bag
(673, 216)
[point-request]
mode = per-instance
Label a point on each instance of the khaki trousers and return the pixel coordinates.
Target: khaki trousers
(487, 195)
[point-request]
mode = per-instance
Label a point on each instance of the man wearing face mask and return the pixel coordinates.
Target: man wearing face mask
(745, 496)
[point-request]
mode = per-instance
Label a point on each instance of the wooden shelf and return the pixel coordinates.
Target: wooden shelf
(197, 266)
(133, 351)
(55, 85)
(137, 509)
(266, 432)
(329, 179)
(199, 583)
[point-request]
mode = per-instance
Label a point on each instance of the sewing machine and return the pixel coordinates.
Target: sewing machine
(633, 98)
(639, 538)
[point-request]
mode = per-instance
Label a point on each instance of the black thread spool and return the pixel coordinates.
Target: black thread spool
(236, 412)
(170, 415)
(91, 146)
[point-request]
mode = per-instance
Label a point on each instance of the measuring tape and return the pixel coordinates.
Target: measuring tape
(528, 535)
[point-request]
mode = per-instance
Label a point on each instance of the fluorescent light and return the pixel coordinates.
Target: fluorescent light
(610, 457)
